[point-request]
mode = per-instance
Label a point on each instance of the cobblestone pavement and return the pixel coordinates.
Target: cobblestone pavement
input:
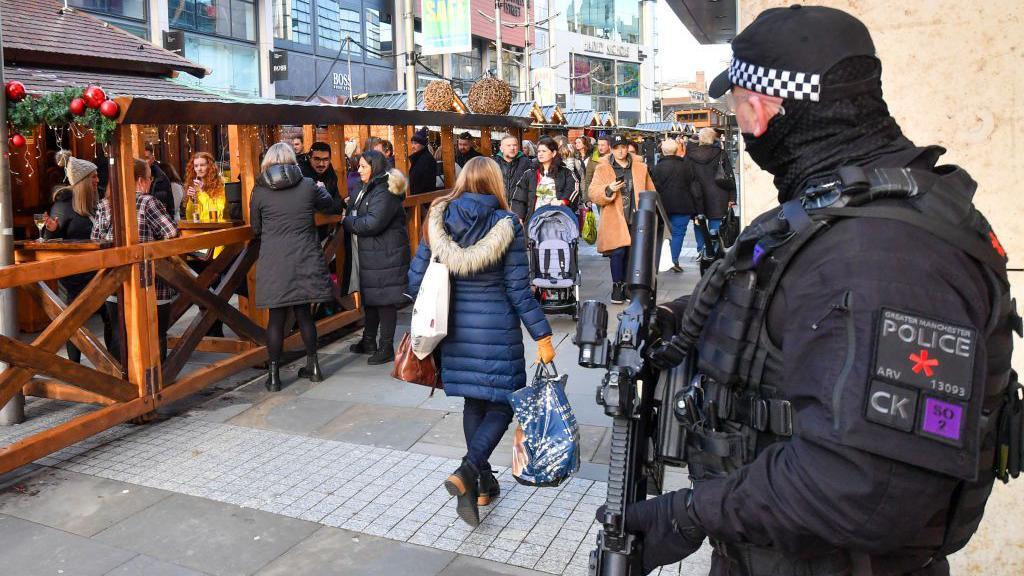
(340, 477)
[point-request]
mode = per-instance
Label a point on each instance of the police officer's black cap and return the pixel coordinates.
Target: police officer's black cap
(618, 140)
(786, 51)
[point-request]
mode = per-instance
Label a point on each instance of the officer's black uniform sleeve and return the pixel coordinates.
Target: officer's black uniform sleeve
(829, 485)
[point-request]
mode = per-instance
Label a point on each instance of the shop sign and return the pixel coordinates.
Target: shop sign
(608, 48)
(342, 82)
(446, 26)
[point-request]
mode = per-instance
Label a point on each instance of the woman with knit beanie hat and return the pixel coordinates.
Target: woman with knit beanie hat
(422, 165)
(71, 218)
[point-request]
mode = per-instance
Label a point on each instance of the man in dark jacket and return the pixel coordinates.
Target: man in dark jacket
(161, 186)
(673, 178)
(514, 168)
(317, 167)
(705, 159)
(825, 340)
(464, 149)
(422, 166)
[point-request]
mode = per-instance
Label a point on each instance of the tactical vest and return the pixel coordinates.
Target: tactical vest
(732, 408)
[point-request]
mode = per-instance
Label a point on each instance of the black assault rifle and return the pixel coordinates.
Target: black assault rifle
(629, 394)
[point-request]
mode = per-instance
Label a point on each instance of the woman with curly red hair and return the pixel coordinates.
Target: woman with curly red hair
(204, 187)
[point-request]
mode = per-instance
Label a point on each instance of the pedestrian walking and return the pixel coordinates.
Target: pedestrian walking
(154, 224)
(616, 187)
(376, 219)
(567, 153)
(515, 166)
(71, 218)
(482, 243)
(707, 159)
(529, 149)
(601, 152)
(422, 165)
(674, 180)
(291, 272)
(549, 182)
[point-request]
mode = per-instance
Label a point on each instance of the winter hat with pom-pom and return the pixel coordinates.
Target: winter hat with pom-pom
(75, 169)
(420, 137)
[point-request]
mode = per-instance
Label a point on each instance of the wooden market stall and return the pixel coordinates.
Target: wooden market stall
(156, 108)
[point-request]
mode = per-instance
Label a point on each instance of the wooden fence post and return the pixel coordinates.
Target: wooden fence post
(485, 142)
(401, 146)
(448, 155)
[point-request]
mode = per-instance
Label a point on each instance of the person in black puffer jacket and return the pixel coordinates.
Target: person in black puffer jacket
(291, 272)
(514, 167)
(70, 218)
(704, 158)
(680, 195)
(548, 172)
(377, 222)
(422, 165)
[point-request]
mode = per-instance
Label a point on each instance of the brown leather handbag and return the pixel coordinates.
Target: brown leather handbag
(409, 368)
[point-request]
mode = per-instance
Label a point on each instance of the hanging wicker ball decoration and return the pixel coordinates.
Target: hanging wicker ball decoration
(490, 96)
(439, 96)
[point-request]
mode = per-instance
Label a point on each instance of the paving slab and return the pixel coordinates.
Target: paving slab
(76, 503)
(469, 566)
(31, 549)
(332, 551)
(369, 385)
(143, 565)
(290, 414)
(383, 426)
(217, 538)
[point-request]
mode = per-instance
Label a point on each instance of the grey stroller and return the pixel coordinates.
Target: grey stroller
(553, 234)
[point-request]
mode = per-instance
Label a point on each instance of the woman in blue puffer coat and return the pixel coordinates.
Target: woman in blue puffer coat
(482, 359)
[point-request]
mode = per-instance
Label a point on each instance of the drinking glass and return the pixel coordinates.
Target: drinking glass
(40, 220)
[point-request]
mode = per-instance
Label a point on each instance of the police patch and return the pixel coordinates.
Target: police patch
(925, 353)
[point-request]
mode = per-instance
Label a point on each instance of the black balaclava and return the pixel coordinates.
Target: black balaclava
(813, 139)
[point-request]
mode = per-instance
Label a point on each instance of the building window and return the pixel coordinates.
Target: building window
(617, 20)
(593, 76)
(379, 34)
(133, 9)
(228, 18)
(235, 66)
(580, 74)
(627, 79)
(293, 21)
(334, 24)
(628, 118)
(466, 66)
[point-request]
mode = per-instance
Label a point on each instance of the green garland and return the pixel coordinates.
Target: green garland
(53, 109)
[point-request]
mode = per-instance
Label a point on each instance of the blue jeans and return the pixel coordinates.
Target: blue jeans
(484, 423)
(679, 223)
(618, 260)
(713, 225)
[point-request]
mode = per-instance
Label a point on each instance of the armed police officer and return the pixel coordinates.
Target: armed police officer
(849, 393)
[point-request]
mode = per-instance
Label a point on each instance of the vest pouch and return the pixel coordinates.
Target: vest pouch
(715, 454)
(1010, 447)
(725, 335)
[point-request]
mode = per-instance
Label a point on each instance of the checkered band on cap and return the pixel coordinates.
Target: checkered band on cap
(781, 83)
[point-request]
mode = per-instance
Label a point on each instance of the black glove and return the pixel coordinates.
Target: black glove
(667, 354)
(669, 535)
(664, 323)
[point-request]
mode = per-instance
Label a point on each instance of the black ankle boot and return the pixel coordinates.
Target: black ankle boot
(364, 346)
(488, 488)
(463, 485)
(617, 296)
(385, 353)
(312, 369)
(273, 383)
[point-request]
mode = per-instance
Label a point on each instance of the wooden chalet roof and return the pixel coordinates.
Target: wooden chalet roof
(42, 33)
(46, 80)
(395, 100)
(580, 118)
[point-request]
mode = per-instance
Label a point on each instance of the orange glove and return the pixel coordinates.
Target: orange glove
(545, 351)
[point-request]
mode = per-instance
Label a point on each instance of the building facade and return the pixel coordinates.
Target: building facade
(601, 57)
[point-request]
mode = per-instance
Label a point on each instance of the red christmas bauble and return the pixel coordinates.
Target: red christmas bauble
(94, 96)
(110, 109)
(77, 107)
(15, 91)
(17, 141)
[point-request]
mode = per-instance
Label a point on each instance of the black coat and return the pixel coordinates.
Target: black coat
(566, 188)
(704, 160)
(70, 226)
(291, 269)
(422, 172)
(377, 219)
(674, 180)
(330, 180)
(461, 158)
(160, 189)
(513, 175)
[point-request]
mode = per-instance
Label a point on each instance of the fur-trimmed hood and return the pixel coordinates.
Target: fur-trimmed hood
(461, 257)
